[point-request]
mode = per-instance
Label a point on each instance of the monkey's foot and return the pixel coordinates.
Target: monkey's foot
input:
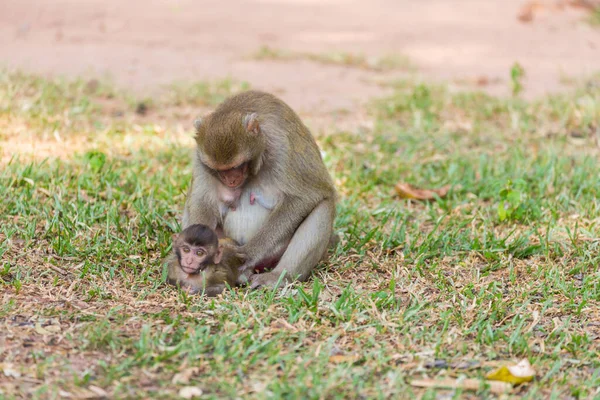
(268, 279)
(190, 290)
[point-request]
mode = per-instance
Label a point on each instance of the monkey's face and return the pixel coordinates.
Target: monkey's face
(196, 248)
(233, 177)
(193, 259)
(232, 171)
(231, 147)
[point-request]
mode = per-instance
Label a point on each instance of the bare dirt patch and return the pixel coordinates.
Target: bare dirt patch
(143, 45)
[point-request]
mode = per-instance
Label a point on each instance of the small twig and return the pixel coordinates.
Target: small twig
(58, 270)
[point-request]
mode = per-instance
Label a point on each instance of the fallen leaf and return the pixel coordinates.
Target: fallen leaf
(189, 392)
(409, 366)
(536, 320)
(283, 324)
(184, 376)
(45, 192)
(406, 191)
(9, 371)
(46, 330)
(482, 81)
(41, 330)
(53, 328)
(258, 387)
(515, 374)
(82, 394)
(585, 4)
(343, 358)
(465, 384)
(526, 13)
(98, 391)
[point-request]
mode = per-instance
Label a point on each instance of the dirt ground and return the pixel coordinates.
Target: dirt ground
(143, 45)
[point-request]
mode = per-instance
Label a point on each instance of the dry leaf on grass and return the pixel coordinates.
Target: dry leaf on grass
(190, 392)
(46, 330)
(343, 358)
(258, 387)
(84, 394)
(184, 376)
(515, 374)
(281, 323)
(41, 330)
(406, 191)
(465, 384)
(99, 391)
(9, 371)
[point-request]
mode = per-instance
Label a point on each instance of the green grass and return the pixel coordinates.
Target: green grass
(388, 62)
(505, 267)
(204, 93)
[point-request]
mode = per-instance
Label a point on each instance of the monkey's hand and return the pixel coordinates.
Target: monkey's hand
(238, 251)
(244, 276)
(231, 248)
(270, 242)
(269, 280)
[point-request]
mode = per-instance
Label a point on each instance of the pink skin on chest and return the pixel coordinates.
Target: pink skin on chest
(229, 196)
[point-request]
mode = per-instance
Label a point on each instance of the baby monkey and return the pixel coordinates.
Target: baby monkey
(201, 263)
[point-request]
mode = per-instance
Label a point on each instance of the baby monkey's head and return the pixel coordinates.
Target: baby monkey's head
(196, 248)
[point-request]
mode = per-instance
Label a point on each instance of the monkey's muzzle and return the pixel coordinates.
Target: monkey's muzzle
(234, 177)
(191, 270)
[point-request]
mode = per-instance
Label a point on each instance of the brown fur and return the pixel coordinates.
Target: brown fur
(214, 278)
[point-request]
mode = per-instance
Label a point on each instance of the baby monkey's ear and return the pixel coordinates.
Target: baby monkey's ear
(218, 254)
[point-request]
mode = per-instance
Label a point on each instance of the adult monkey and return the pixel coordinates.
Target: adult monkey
(259, 178)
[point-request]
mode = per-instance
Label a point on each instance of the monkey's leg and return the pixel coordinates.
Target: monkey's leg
(331, 246)
(334, 240)
(213, 290)
(173, 271)
(307, 247)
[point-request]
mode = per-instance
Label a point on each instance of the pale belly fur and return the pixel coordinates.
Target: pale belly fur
(242, 223)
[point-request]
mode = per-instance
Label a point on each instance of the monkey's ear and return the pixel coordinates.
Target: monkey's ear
(251, 123)
(197, 123)
(174, 236)
(218, 254)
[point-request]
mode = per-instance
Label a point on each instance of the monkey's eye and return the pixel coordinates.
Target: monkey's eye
(239, 166)
(186, 249)
(200, 252)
